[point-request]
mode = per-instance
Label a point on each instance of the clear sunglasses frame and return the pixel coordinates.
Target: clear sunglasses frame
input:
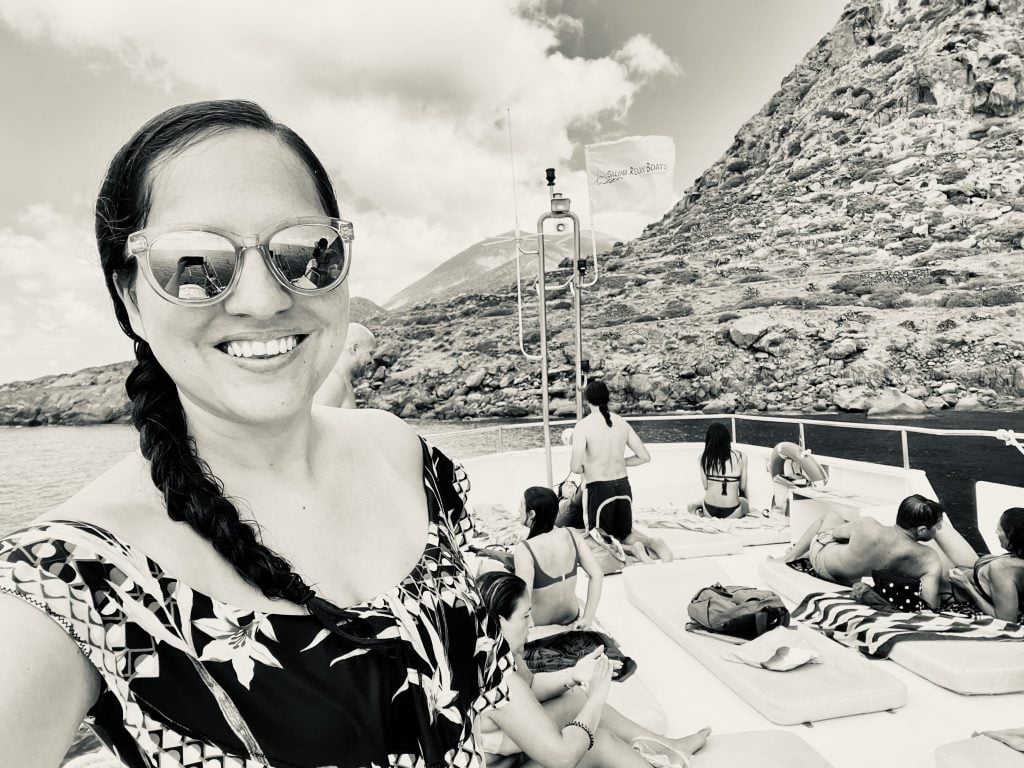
(138, 247)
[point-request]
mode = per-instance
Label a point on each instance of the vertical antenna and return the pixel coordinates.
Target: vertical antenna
(512, 159)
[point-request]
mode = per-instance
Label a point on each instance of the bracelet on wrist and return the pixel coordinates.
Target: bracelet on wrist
(585, 729)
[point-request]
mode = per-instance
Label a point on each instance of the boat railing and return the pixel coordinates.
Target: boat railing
(502, 431)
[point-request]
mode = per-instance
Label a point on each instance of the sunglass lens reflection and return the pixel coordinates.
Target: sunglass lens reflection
(192, 266)
(310, 257)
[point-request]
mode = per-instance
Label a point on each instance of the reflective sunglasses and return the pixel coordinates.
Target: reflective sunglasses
(198, 265)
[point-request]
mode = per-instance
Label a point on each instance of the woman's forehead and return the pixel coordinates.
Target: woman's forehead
(244, 180)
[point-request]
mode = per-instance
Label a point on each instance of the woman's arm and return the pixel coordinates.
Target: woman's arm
(703, 476)
(743, 475)
(524, 720)
(48, 687)
(962, 580)
(595, 583)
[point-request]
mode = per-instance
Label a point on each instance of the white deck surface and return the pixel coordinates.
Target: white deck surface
(692, 697)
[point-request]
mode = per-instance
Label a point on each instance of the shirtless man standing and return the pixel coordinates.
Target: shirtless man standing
(356, 359)
(599, 444)
(843, 551)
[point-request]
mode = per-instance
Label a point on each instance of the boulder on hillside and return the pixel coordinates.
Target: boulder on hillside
(853, 399)
(747, 330)
(969, 403)
(726, 403)
(891, 402)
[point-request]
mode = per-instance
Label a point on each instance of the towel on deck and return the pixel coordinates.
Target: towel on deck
(874, 633)
(779, 650)
(1011, 737)
(679, 519)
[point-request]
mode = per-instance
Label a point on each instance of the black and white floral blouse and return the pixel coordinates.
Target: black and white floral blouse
(191, 681)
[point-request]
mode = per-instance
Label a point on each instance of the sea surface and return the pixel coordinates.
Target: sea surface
(42, 466)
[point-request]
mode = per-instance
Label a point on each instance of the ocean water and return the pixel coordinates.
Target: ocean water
(42, 466)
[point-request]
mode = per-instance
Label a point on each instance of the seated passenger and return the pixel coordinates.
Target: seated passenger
(723, 473)
(994, 583)
(845, 551)
(548, 560)
(618, 742)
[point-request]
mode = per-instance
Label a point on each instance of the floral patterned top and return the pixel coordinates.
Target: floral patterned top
(191, 681)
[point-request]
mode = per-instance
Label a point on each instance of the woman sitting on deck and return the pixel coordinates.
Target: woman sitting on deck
(994, 583)
(723, 473)
(509, 741)
(548, 561)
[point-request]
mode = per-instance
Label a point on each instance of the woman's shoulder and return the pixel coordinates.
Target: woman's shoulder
(373, 430)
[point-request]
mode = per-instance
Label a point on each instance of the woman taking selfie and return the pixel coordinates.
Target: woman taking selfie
(264, 582)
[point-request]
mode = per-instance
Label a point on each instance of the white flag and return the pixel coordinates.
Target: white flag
(631, 174)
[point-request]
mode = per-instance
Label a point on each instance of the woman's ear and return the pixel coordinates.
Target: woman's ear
(124, 284)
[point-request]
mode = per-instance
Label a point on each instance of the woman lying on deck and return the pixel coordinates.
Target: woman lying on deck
(509, 740)
(994, 583)
(548, 560)
(723, 473)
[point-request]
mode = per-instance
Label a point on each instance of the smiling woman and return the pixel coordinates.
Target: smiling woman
(266, 582)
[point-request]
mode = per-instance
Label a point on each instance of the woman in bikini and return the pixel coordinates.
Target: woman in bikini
(723, 473)
(994, 583)
(570, 698)
(548, 561)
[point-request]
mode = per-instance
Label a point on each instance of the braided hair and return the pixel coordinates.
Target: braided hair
(191, 492)
(597, 394)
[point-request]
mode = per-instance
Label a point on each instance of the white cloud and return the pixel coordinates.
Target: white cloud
(56, 314)
(404, 102)
(643, 57)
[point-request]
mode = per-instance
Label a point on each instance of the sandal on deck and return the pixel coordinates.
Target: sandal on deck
(661, 755)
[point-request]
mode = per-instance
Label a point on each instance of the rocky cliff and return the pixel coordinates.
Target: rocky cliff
(858, 247)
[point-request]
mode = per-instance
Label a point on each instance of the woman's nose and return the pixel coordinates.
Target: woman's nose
(257, 293)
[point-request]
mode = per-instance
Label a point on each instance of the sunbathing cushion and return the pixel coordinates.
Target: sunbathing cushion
(979, 752)
(954, 664)
(697, 543)
(765, 749)
(843, 684)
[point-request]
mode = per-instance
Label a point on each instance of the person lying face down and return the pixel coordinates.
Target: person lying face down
(549, 711)
(846, 551)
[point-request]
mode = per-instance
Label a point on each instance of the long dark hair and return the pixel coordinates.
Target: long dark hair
(597, 394)
(500, 592)
(191, 492)
(717, 449)
(543, 502)
(1012, 523)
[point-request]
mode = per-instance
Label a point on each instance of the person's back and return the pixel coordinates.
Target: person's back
(604, 447)
(846, 551)
(871, 546)
(556, 559)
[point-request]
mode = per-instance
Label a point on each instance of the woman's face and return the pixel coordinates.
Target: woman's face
(524, 516)
(243, 181)
(1004, 542)
(515, 627)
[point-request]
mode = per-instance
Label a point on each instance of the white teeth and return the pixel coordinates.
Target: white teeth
(257, 348)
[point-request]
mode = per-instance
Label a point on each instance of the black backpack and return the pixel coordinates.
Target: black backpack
(738, 611)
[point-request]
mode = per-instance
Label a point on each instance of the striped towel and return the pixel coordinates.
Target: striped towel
(874, 633)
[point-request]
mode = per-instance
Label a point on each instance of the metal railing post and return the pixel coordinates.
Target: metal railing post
(906, 449)
(732, 423)
(803, 439)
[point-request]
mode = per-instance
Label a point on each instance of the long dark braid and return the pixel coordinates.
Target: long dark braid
(597, 394)
(191, 493)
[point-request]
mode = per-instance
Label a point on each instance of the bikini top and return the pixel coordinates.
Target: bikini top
(543, 579)
(983, 561)
(725, 479)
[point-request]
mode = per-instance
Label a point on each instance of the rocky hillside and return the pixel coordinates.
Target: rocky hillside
(858, 247)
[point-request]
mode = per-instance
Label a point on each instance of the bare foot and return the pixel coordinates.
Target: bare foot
(693, 742)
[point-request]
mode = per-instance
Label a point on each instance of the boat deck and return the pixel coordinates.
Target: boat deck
(692, 697)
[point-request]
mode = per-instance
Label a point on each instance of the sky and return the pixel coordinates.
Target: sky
(407, 104)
